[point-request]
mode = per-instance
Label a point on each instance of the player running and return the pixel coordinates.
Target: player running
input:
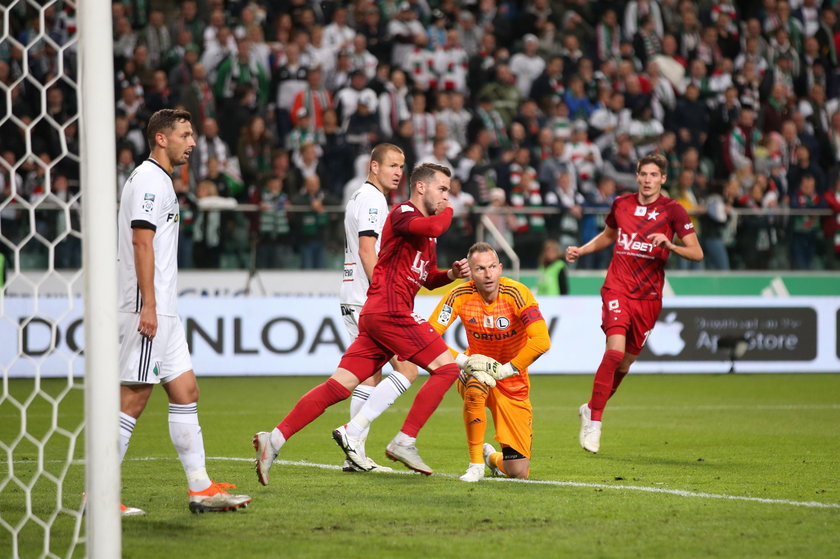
(505, 330)
(642, 226)
(364, 219)
(388, 325)
(153, 348)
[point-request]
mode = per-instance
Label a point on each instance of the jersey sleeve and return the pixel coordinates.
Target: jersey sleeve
(146, 205)
(680, 221)
(610, 220)
(407, 220)
(446, 311)
(535, 327)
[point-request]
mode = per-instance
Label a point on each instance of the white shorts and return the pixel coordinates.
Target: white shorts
(350, 314)
(161, 359)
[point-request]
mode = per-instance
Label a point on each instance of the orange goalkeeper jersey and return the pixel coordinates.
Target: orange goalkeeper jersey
(510, 329)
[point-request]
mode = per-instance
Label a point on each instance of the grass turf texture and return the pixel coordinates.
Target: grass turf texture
(763, 436)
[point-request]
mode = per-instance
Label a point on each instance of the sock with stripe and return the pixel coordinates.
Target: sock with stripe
(358, 399)
(603, 384)
(185, 432)
(127, 424)
(475, 418)
(429, 397)
(311, 405)
(385, 393)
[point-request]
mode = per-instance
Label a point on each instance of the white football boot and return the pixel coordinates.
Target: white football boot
(474, 473)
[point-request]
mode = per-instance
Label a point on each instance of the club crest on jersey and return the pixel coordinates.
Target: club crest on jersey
(445, 315)
(502, 323)
(653, 215)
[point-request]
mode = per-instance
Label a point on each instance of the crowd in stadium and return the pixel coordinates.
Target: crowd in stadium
(542, 106)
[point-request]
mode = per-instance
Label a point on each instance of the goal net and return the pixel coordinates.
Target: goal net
(59, 480)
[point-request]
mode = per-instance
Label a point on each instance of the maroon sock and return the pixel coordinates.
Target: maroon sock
(602, 387)
(311, 405)
(619, 376)
(428, 398)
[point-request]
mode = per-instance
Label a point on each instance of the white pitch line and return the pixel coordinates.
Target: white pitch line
(677, 492)
(640, 488)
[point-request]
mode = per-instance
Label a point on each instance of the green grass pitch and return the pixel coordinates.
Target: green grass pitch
(690, 466)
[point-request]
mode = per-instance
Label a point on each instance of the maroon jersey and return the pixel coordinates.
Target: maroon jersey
(637, 269)
(407, 259)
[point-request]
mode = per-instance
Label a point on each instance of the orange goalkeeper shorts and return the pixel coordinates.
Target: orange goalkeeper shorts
(513, 419)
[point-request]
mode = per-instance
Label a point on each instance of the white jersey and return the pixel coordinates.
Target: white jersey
(149, 201)
(364, 217)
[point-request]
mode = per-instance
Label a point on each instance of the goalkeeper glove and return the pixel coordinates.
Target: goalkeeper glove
(490, 366)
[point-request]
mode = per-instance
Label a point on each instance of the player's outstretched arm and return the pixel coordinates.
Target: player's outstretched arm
(601, 241)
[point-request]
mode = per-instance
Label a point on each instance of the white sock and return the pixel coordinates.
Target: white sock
(361, 394)
(127, 424)
(186, 436)
(381, 398)
(595, 424)
(276, 439)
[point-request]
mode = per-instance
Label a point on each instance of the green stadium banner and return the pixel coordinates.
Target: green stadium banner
(715, 284)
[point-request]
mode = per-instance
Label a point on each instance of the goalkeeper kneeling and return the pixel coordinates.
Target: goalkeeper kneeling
(506, 333)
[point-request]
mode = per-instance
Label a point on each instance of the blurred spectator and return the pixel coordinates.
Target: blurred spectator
(503, 220)
(273, 230)
(756, 231)
(156, 37)
(586, 158)
(198, 99)
(403, 30)
(805, 243)
(311, 225)
(503, 93)
(188, 209)
(209, 145)
(527, 65)
(563, 196)
(552, 278)
(686, 194)
(362, 128)
(208, 229)
(718, 224)
(393, 104)
(610, 120)
(593, 223)
(620, 165)
(254, 150)
(805, 166)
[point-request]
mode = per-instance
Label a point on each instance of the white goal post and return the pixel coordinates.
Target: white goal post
(99, 249)
(58, 227)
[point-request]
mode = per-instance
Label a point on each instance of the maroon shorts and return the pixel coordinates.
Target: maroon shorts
(634, 318)
(381, 336)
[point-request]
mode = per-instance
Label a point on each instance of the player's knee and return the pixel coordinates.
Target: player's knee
(518, 469)
(474, 396)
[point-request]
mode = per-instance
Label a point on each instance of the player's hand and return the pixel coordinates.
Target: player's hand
(460, 269)
(482, 363)
(660, 240)
(483, 377)
(148, 322)
(572, 253)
